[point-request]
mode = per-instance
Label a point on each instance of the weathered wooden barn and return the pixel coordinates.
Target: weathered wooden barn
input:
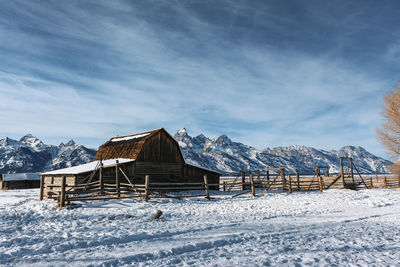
(19, 181)
(155, 153)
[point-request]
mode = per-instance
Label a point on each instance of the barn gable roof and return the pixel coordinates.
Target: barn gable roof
(127, 146)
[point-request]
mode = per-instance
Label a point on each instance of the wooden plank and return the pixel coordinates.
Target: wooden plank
(334, 180)
(41, 187)
(177, 188)
(206, 187)
(117, 185)
(253, 191)
(146, 188)
(171, 183)
(156, 216)
(62, 194)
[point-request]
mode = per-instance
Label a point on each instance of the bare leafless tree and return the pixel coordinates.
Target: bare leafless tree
(389, 133)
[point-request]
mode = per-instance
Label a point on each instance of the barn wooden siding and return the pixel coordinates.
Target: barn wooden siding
(26, 184)
(195, 174)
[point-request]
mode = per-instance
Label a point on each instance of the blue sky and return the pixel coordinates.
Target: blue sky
(266, 73)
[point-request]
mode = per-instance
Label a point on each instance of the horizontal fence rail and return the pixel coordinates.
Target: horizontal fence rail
(120, 185)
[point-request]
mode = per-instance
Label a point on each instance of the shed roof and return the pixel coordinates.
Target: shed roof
(20, 176)
(88, 167)
(203, 168)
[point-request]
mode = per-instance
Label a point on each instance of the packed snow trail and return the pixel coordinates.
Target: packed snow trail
(336, 227)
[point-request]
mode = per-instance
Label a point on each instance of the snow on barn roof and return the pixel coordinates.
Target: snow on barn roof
(88, 167)
(20, 176)
(129, 137)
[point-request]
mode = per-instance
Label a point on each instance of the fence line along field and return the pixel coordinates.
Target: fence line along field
(109, 179)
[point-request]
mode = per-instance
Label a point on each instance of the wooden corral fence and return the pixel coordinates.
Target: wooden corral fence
(274, 179)
(104, 189)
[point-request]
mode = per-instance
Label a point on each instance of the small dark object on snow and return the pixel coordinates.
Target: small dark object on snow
(157, 215)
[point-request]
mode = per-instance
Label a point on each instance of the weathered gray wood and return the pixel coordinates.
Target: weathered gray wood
(146, 188)
(156, 216)
(62, 193)
(117, 185)
(243, 180)
(41, 187)
(334, 181)
(320, 183)
(173, 183)
(101, 180)
(177, 188)
(282, 173)
(206, 187)
(290, 184)
(342, 173)
(351, 170)
(126, 177)
(253, 191)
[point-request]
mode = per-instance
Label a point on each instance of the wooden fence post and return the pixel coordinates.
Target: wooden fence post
(224, 186)
(206, 187)
(41, 187)
(253, 191)
(267, 174)
(282, 168)
(146, 188)
(342, 173)
(351, 170)
(62, 193)
(385, 182)
(320, 183)
(101, 180)
(243, 180)
(117, 185)
(298, 179)
(290, 184)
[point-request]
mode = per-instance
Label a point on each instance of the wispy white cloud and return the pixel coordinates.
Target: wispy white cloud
(91, 72)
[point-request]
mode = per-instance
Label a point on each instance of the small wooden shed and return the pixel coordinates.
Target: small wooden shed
(19, 181)
(155, 153)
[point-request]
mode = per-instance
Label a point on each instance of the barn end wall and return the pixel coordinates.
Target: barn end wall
(160, 147)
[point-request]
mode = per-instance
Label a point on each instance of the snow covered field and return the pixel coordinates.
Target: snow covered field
(336, 227)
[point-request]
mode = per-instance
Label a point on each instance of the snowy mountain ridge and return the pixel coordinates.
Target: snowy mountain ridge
(30, 154)
(229, 157)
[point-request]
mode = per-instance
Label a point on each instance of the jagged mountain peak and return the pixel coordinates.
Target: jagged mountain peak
(70, 143)
(33, 143)
(227, 156)
(182, 131)
(30, 154)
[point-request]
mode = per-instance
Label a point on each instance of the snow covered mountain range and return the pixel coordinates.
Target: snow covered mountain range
(29, 154)
(229, 157)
